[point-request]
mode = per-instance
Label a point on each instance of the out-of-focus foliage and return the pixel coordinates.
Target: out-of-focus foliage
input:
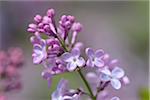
(144, 94)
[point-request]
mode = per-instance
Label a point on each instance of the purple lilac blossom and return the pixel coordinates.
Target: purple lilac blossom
(10, 63)
(64, 93)
(73, 59)
(94, 58)
(113, 76)
(58, 51)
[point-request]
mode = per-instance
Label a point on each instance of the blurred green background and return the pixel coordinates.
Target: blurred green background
(121, 28)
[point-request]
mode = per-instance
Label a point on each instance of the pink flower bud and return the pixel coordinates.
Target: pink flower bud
(37, 18)
(71, 18)
(125, 80)
(76, 27)
(46, 20)
(50, 13)
(33, 26)
(31, 30)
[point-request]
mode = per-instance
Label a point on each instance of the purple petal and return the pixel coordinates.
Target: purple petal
(62, 86)
(117, 72)
(98, 62)
(90, 63)
(99, 53)
(116, 83)
(106, 71)
(104, 77)
(71, 66)
(115, 98)
(46, 75)
(90, 53)
(67, 57)
(80, 62)
(75, 52)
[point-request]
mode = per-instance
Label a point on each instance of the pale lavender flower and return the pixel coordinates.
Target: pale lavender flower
(115, 98)
(113, 76)
(94, 58)
(73, 59)
(39, 52)
(64, 93)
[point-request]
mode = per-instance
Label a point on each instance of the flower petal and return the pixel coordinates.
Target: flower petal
(104, 77)
(67, 57)
(71, 66)
(106, 71)
(37, 57)
(115, 98)
(99, 53)
(116, 83)
(98, 62)
(62, 86)
(80, 62)
(90, 53)
(75, 52)
(117, 72)
(90, 63)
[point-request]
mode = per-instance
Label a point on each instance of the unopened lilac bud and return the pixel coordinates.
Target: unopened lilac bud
(51, 13)
(106, 57)
(113, 63)
(71, 18)
(67, 24)
(40, 25)
(37, 18)
(79, 45)
(31, 30)
(125, 80)
(32, 39)
(46, 20)
(63, 18)
(33, 26)
(76, 27)
(47, 28)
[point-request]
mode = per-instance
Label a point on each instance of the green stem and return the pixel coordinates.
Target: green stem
(87, 84)
(79, 71)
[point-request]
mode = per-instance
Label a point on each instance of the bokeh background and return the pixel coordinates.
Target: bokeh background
(119, 27)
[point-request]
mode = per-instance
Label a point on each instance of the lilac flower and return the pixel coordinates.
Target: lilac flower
(94, 58)
(115, 98)
(10, 63)
(39, 52)
(63, 93)
(113, 76)
(59, 52)
(73, 59)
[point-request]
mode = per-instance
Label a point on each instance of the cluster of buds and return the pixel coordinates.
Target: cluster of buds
(58, 51)
(10, 64)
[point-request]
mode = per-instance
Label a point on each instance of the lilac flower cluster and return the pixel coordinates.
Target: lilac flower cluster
(58, 51)
(10, 64)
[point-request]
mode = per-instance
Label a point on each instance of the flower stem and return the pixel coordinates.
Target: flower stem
(87, 84)
(79, 71)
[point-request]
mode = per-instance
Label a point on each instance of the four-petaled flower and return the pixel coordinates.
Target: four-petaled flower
(73, 59)
(94, 58)
(63, 93)
(113, 76)
(39, 52)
